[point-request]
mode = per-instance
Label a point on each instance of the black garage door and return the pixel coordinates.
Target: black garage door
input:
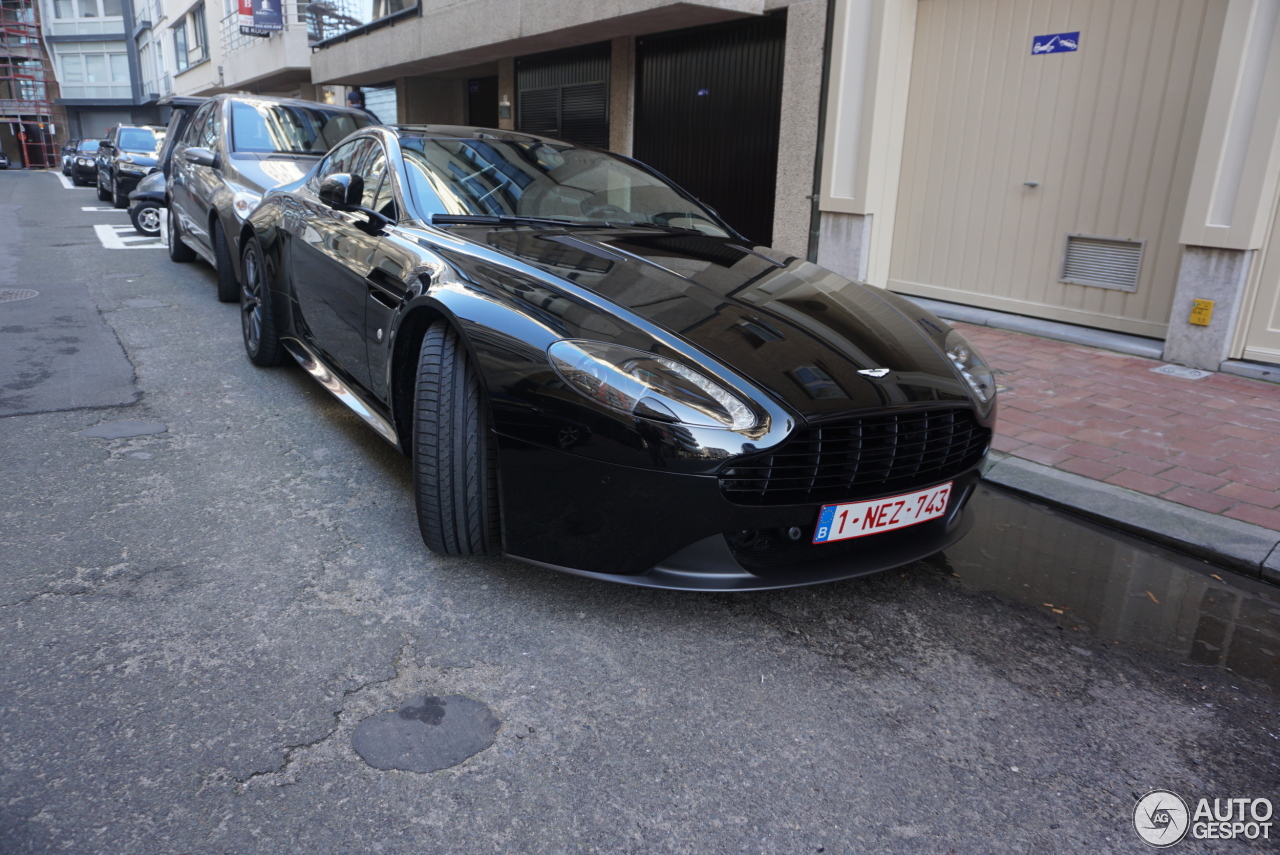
(565, 94)
(708, 103)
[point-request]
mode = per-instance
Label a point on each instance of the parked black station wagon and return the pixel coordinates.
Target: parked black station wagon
(236, 148)
(594, 373)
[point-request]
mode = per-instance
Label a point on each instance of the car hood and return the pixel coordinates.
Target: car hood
(262, 172)
(140, 159)
(798, 330)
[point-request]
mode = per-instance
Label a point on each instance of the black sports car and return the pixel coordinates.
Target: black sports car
(594, 373)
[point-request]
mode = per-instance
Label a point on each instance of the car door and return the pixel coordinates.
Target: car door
(204, 181)
(332, 254)
(385, 286)
(182, 173)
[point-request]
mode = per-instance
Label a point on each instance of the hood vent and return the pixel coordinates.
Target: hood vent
(1102, 262)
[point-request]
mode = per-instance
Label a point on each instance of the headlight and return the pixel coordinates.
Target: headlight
(642, 384)
(84, 161)
(244, 202)
(972, 367)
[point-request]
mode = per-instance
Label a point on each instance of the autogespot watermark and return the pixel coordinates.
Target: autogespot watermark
(1162, 818)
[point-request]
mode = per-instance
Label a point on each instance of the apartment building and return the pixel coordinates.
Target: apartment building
(96, 63)
(213, 46)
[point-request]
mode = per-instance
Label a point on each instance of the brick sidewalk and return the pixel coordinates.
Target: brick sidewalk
(1211, 444)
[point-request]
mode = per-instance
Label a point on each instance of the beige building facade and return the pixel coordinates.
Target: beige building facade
(1106, 163)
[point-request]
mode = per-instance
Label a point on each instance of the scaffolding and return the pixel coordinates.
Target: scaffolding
(27, 85)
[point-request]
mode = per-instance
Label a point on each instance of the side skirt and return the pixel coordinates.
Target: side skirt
(326, 377)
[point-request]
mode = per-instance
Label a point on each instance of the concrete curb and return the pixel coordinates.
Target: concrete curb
(1240, 546)
(1117, 342)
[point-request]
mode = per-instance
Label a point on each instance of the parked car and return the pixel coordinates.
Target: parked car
(68, 156)
(127, 154)
(84, 165)
(149, 197)
(236, 148)
(594, 373)
(4, 160)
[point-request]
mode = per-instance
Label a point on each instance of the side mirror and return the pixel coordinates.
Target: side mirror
(201, 157)
(341, 190)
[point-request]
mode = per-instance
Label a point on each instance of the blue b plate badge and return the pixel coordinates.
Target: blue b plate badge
(858, 519)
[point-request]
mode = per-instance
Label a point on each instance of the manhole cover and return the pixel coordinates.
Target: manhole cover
(8, 295)
(426, 735)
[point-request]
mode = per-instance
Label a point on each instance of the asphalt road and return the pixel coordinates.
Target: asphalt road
(194, 621)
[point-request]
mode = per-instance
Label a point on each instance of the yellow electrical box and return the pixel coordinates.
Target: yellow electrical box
(1201, 312)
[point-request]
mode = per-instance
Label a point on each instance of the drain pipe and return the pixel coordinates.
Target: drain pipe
(815, 216)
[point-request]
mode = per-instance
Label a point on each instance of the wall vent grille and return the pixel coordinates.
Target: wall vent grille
(1102, 262)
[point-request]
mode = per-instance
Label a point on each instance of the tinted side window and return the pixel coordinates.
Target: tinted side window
(344, 158)
(210, 132)
(197, 125)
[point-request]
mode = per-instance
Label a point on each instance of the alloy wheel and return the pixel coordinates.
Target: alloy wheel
(251, 300)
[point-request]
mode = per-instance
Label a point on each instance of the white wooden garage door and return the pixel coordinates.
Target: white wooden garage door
(1008, 153)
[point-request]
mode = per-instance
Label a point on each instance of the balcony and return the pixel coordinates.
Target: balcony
(276, 64)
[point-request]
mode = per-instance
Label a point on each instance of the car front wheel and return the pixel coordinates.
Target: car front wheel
(228, 287)
(118, 199)
(261, 340)
(146, 219)
(455, 466)
(178, 251)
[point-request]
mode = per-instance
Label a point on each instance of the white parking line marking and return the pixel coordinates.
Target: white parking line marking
(66, 182)
(121, 210)
(124, 237)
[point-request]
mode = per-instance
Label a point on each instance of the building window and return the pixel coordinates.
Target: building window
(190, 43)
(63, 9)
(199, 40)
(88, 8)
(180, 45)
(112, 9)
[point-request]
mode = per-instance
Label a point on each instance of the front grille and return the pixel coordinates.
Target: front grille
(860, 458)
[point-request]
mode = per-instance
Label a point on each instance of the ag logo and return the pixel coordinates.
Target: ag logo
(1161, 818)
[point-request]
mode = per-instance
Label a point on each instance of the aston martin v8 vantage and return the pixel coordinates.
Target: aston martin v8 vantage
(595, 373)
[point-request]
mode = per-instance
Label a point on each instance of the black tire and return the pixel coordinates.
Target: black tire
(103, 194)
(455, 466)
(257, 319)
(228, 286)
(178, 251)
(146, 218)
(118, 199)
(77, 180)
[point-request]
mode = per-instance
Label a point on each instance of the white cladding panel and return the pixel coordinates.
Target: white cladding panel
(1008, 152)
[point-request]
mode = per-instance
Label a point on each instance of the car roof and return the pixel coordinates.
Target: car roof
(467, 132)
(292, 102)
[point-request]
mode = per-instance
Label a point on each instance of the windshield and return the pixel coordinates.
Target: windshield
(288, 129)
(498, 178)
(90, 145)
(139, 139)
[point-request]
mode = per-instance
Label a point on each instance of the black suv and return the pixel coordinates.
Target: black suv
(84, 166)
(124, 157)
(236, 148)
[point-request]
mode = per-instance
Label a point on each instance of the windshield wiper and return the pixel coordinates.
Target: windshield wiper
(505, 220)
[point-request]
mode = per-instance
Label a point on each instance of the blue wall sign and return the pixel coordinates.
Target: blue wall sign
(1055, 43)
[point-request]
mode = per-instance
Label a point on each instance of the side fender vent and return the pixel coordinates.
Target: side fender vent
(1102, 262)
